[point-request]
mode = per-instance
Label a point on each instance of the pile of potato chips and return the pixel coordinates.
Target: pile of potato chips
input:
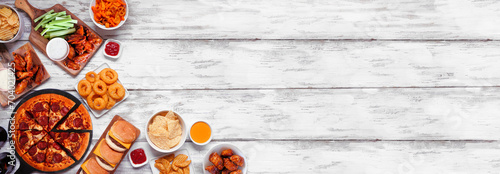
(172, 164)
(9, 24)
(165, 131)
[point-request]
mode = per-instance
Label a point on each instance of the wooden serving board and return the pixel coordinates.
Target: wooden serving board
(91, 155)
(40, 42)
(4, 96)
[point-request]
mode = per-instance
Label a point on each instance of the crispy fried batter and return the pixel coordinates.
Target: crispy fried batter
(216, 160)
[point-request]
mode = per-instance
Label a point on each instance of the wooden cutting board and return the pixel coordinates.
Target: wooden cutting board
(4, 96)
(40, 42)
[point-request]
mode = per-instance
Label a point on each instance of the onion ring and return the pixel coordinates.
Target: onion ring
(116, 91)
(108, 78)
(91, 76)
(90, 100)
(84, 88)
(99, 104)
(100, 87)
(111, 103)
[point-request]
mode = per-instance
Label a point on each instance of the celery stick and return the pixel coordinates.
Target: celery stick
(67, 25)
(55, 26)
(40, 17)
(61, 33)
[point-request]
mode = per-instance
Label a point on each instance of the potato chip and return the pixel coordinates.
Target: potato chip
(174, 127)
(5, 12)
(13, 19)
(169, 158)
(186, 170)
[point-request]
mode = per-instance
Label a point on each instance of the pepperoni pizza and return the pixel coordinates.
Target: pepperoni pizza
(52, 132)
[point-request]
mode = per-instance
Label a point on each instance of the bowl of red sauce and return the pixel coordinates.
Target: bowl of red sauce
(138, 157)
(112, 48)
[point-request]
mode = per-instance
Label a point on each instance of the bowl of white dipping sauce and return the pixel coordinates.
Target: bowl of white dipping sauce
(57, 49)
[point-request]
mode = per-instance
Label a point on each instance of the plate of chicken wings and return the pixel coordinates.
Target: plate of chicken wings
(226, 159)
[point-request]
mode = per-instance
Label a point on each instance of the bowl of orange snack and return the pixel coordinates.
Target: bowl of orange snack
(101, 90)
(11, 25)
(108, 14)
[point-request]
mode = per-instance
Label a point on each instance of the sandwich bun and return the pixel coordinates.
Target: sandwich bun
(109, 154)
(94, 168)
(114, 144)
(104, 164)
(124, 131)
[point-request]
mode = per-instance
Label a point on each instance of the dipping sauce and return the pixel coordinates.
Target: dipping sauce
(138, 156)
(57, 49)
(200, 132)
(112, 48)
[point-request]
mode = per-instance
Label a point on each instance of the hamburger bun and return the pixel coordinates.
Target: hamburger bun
(124, 131)
(94, 168)
(109, 154)
(115, 145)
(105, 165)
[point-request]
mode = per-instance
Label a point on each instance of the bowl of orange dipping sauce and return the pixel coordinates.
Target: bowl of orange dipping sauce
(200, 133)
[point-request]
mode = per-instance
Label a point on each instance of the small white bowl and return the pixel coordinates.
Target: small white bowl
(183, 136)
(219, 148)
(138, 165)
(52, 43)
(119, 50)
(209, 139)
(92, 3)
(21, 26)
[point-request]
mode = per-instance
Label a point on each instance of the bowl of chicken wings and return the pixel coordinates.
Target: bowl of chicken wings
(226, 159)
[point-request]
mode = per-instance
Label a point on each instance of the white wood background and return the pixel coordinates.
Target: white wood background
(310, 86)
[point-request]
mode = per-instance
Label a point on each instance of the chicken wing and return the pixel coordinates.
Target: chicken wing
(29, 61)
(238, 160)
(225, 171)
(226, 153)
(22, 75)
(19, 63)
(39, 74)
(230, 165)
(212, 169)
(236, 172)
(21, 86)
(216, 160)
(71, 64)
(71, 53)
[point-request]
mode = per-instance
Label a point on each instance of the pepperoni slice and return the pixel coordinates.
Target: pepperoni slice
(43, 120)
(60, 141)
(42, 145)
(32, 151)
(73, 137)
(29, 114)
(39, 107)
(57, 158)
(54, 107)
(23, 126)
(56, 146)
(35, 132)
(23, 140)
(64, 111)
(40, 157)
(78, 122)
(64, 135)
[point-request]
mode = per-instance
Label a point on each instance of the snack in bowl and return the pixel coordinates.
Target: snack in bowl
(200, 133)
(224, 158)
(9, 24)
(101, 90)
(165, 131)
(109, 13)
(171, 163)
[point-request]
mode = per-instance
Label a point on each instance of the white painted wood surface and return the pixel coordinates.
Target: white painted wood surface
(376, 87)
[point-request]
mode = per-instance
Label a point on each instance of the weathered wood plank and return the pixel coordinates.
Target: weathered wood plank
(323, 114)
(299, 19)
(226, 64)
(393, 157)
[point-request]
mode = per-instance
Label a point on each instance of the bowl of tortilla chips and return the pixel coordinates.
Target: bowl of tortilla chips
(166, 131)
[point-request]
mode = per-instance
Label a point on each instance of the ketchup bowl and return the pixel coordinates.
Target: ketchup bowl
(110, 49)
(138, 158)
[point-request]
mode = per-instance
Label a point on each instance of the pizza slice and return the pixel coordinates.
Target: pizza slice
(24, 120)
(75, 143)
(39, 107)
(77, 120)
(24, 140)
(37, 153)
(56, 158)
(59, 107)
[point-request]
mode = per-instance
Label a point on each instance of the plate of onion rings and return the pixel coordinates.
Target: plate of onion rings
(101, 90)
